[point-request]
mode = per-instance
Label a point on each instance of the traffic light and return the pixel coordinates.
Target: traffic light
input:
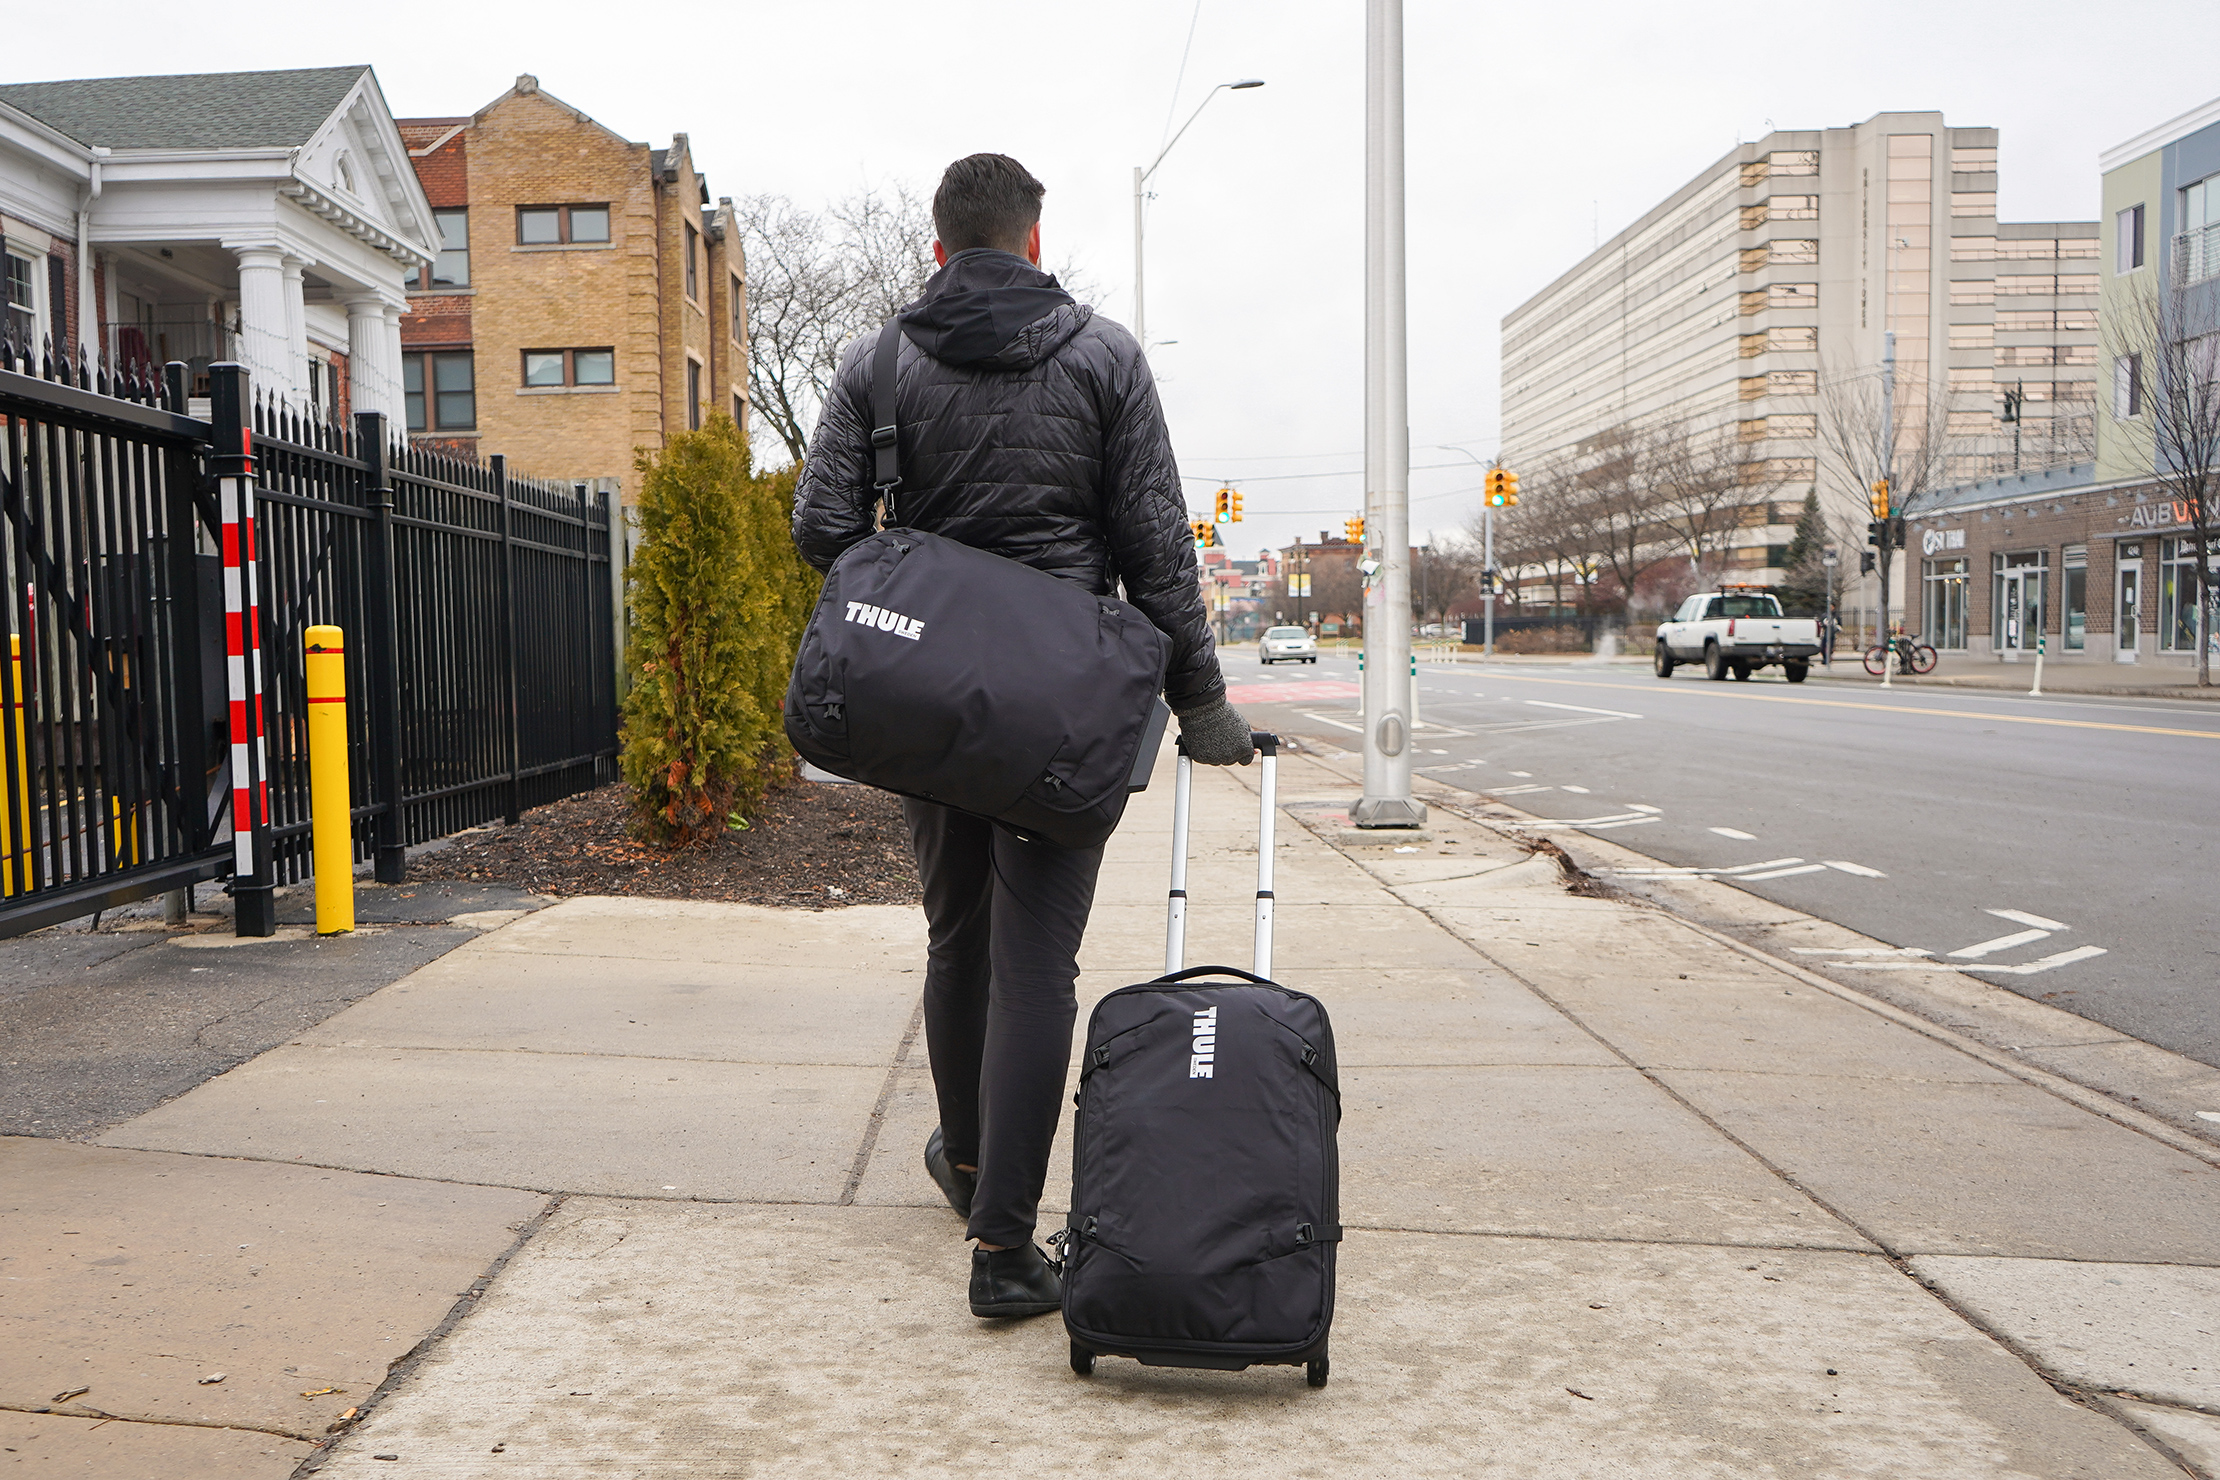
(1865, 562)
(1876, 530)
(1880, 498)
(1352, 530)
(1225, 506)
(1896, 532)
(1236, 504)
(1510, 488)
(1202, 532)
(1501, 486)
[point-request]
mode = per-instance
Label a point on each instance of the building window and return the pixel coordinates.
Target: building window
(1792, 382)
(1753, 345)
(2073, 593)
(551, 226)
(1964, 378)
(693, 254)
(1792, 295)
(23, 301)
(1975, 203)
(1753, 300)
(1753, 258)
(1972, 336)
(1980, 161)
(1793, 162)
(452, 402)
(1792, 338)
(1753, 216)
(552, 367)
(2177, 603)
(2076, 247)
(739, 302)
(1972, 423)
(451, 268)
(2127, 386)
(693, 392)
(2128, 241)
(1793, 208)
(2199, 240)
(1945, 606)
(1793, 426)
(1794, 251)
(739, 412)
(1973, 249)
(1972, 295)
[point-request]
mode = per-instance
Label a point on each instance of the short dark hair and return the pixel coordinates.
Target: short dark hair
(986, 200)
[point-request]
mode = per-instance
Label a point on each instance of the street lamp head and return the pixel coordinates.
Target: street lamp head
(1246, 83)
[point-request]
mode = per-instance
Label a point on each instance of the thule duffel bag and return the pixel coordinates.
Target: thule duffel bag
(956, 676)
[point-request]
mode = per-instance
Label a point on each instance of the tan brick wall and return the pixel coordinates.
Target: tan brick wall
(728, 312)
(529, 150)
(685, 321)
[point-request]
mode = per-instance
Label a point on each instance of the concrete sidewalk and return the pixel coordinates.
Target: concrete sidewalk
(632, 1188)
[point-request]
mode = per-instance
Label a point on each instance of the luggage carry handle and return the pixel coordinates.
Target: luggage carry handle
(1267, 746)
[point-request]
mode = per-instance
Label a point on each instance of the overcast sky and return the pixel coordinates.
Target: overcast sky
(1532, 130)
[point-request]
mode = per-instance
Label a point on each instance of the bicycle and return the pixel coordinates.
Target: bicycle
(1911, 657)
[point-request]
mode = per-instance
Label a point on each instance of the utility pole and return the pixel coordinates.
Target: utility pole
(1387, 800)
(1140, 196)
(1487, 577)
(1888, 487)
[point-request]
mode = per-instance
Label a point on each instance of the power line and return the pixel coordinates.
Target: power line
(1284, 477)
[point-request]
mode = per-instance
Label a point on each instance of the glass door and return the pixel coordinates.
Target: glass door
(2128, 633)
(2018, 618)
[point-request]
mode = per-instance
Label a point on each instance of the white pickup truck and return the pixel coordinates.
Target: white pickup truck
(1736, 629)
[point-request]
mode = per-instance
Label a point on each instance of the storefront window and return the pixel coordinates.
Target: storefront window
(2016, 619)
(2177, 600)
(2073, 591)
(1945, 619)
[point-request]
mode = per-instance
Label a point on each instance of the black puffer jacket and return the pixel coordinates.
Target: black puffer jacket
(1029, 428)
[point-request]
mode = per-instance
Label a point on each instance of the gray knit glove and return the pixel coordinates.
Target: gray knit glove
(1216, 734)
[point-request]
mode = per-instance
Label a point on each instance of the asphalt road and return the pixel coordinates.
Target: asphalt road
(2061, 847)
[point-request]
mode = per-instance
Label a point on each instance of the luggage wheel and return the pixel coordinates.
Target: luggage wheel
(1083, 1361)
(1315, 1371)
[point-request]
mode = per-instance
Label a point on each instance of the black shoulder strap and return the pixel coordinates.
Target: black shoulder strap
(888, 474)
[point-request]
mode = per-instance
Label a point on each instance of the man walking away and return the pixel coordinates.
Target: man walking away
(1030, 428)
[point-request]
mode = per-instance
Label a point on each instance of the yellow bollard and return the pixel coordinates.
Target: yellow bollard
(19, 765)
(329, 799)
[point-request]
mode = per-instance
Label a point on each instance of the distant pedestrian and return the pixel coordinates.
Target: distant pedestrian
(1030, 428)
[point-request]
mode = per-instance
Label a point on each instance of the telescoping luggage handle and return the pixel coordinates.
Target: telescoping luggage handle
(1175, 922)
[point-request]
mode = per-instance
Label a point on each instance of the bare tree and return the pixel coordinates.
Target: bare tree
(1441, 574)
(2164, 339)
(815, 282)
(1916, 460)
(1706, 475)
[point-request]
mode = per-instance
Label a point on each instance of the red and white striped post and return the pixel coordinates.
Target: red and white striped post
(253, 885)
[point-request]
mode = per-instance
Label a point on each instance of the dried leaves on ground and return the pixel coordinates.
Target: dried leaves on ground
(810, 846)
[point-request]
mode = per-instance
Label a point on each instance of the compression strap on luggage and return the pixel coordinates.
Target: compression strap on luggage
(885, 444)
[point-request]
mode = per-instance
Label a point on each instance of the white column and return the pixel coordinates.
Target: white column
(262, 318)
(389, 346)
(296, 332)
(365, 341)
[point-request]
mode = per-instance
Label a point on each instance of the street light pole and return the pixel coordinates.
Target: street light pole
(1387, 800)
(1140, 195)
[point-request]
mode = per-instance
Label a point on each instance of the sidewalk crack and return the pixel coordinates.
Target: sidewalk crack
(878, 1111)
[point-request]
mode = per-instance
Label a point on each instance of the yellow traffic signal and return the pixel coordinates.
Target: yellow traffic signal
(1502, 487)
(1201, 530)
(1880, 498)
(1510, 488)
(1352, 530)
(1236, 504)
(1224, 512)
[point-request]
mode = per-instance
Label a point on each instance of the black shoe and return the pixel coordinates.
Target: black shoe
(1014, 1282)
(957, 1186)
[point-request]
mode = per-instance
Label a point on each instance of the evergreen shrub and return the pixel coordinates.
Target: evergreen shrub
(719, 599)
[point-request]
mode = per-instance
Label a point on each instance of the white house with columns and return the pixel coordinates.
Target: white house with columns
(267, 217)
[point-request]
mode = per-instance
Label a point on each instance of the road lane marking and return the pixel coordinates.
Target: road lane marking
(1522, 773)
(1584, 709)
(1782, 873)
(2063, 958)
(1736, 833)
(1641, 807)
(2001, 943)
(2022, 917)
(1516, 791)
(1856, 868)
(1682, 873)
(1616, 819)
(1913, 709)
(1329, 720)
(1582, 790)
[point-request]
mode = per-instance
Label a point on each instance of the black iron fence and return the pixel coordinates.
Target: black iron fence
(161, 573)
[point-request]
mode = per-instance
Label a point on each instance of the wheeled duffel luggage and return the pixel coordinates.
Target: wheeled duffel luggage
(1206, 1198)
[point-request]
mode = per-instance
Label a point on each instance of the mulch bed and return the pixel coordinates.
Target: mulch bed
(811, 846)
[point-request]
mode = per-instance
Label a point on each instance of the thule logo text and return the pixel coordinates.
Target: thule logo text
(1203, 1058)
(884, 620)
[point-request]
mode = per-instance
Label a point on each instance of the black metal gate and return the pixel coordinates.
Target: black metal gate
(148, 656)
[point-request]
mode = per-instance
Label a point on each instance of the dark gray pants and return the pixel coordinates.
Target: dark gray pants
(1004, 920)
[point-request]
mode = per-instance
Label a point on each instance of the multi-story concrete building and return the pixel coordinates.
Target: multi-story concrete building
(1761, 289)
(587, 299)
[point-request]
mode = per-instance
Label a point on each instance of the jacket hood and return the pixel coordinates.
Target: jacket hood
(988, 309)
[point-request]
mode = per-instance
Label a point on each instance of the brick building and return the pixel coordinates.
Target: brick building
(587, 298)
